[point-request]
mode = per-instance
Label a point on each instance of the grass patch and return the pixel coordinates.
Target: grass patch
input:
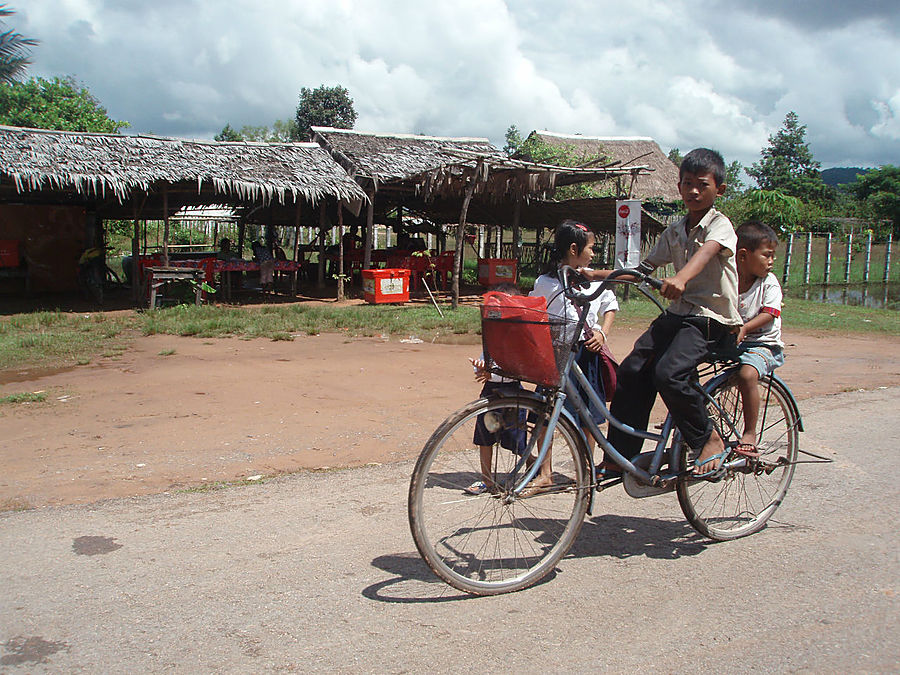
(14, 504)
(51, 339)
(215, 486)
(165, 352)
(26, 397)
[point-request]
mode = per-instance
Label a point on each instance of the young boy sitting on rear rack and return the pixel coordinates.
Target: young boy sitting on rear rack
(760, 349)
(703, 315)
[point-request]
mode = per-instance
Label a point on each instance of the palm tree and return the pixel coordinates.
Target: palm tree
(14, 51)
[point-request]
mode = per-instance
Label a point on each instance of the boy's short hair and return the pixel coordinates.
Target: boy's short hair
(703, 160)
(753, 234)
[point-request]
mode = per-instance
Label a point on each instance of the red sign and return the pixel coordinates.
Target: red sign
(624, 211)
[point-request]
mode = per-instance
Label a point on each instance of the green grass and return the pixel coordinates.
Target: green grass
(55, 339)
(26, 397)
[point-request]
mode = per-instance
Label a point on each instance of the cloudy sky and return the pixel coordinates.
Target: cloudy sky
(720, 73)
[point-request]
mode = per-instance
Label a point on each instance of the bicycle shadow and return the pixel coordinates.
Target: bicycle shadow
(601, 536)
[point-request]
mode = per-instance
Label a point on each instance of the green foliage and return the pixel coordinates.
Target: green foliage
(783, 212)
(787, 164)
(14, 50)
(675, 156)
(534, 149)
(879, 190)
(324, 107)
(733, 181)
(282, 131)
(54, 104)
(513, 140)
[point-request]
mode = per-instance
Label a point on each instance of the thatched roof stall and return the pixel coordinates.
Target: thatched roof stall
(433, 175)
(660, 183)
(107, 171)
(110, 176)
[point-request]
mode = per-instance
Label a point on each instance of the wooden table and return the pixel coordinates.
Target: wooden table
(159, 276)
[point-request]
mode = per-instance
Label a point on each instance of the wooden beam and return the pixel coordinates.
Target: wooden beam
(461, 233)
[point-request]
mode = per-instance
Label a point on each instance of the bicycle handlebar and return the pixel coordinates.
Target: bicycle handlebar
(576, 296)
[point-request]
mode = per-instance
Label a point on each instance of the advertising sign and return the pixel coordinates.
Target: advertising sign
(628, 233)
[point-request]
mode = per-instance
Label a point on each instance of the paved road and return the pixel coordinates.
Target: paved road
(317, 572)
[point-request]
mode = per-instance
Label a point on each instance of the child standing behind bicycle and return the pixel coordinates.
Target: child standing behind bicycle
(702, 316)
(760, 348)
(573, 245)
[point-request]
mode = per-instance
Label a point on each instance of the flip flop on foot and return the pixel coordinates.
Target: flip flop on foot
(746, 449)
(607, 471)
(479, 487)
(713, 474)
(535, 488)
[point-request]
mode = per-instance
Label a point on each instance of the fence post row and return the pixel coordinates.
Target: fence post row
(787, 259)
(887, 259)
(828, 258)
(849, 258)
(807, 257)
(868, 258)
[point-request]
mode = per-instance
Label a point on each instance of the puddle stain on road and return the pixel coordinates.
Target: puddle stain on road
(92, 545)
(34, 649)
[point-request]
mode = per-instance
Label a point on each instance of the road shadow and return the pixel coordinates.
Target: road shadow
(601, 536)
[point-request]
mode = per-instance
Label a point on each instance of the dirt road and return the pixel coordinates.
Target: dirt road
(316, 572)
(177, 412)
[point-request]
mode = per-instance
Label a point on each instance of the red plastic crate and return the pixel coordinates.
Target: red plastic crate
(385, 286)
(493, 271)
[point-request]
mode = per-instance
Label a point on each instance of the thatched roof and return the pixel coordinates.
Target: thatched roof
(101, 166)
(660, 183)
(410, 169)
(388, 157)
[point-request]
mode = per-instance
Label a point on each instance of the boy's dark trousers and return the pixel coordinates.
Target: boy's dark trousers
(663, 360)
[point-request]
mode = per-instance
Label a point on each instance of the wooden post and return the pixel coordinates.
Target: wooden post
(461, 233)
(165, 226)
(787, 259)
(806, 258)
(323, 221)
(887, 259)
(868, 258)
(849, 258)
(828, 258)
(516, 234)
(340, 272)
(481, 241)
(370, 230)
(135, 255)
(296, 247)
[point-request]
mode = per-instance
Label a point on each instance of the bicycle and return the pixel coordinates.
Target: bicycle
(512, 536)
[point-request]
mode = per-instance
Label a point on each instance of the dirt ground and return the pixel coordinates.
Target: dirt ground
(180, 412)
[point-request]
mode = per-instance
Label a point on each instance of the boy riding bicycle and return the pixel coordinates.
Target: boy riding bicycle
(702, 316)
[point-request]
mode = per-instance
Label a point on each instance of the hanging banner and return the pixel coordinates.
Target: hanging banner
(628, 233)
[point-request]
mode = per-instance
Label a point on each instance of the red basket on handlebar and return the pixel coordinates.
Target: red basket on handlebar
(518, 338)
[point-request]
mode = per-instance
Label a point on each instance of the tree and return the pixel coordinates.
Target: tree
(733, 181)
(513, 140)
(879, 190)
(675, 156)
(54, 104)
(282, 131)
(228, 134)
(787, 163)
(326, 107)
(14, 51)
(784, 213)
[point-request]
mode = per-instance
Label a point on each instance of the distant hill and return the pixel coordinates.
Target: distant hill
(841, 175)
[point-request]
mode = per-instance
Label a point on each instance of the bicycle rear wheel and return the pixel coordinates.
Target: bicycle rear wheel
(496, 542)
(753, 488)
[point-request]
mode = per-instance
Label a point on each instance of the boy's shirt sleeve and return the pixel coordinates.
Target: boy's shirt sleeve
(772, 296)
(722, 231)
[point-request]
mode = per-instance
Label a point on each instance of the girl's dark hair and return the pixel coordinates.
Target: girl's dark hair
(703, 160)
(567, 233)
(753, 234)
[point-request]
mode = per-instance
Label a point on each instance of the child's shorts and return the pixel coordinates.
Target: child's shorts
(509, 431)
(763, 357)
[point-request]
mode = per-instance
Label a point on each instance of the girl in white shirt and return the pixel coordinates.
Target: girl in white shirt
(573, 245)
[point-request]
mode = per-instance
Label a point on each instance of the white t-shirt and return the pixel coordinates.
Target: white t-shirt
(558, 306)
(764, 295)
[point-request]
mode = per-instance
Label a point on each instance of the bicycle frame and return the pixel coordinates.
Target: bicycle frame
(572, 377)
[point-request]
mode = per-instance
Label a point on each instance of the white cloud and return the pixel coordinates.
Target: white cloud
(724, 77)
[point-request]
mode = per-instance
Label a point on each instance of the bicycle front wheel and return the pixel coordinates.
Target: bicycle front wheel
(496, 541)
(753, 488)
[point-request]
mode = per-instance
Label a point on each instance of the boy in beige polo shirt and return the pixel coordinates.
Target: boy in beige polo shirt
(702, 315)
